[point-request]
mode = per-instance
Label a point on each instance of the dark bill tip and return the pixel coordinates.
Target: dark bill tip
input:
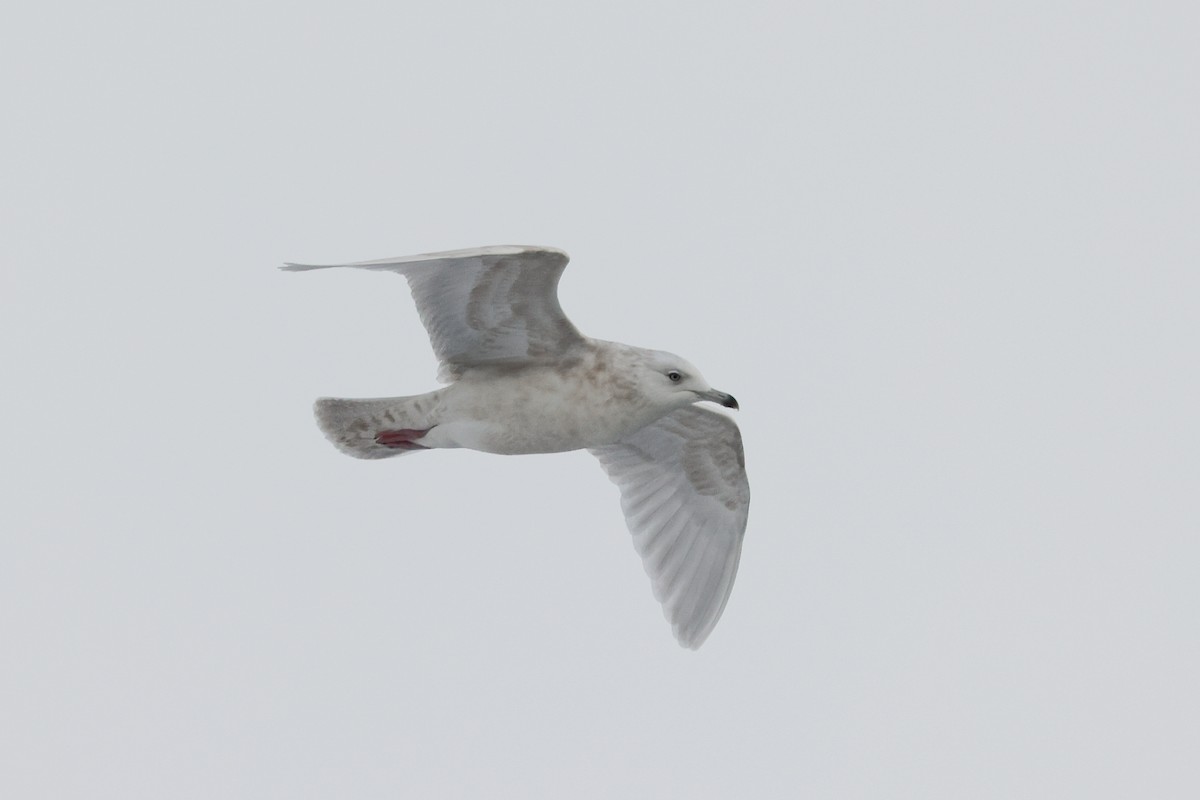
(727, 400)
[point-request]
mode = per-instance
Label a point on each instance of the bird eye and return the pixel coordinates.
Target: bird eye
(674, 376)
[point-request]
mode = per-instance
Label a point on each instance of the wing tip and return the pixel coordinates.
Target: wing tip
(690, 638)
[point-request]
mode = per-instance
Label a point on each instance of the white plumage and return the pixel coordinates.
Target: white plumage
(522, 379)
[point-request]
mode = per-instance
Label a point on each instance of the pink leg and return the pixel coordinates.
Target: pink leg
(403, 439)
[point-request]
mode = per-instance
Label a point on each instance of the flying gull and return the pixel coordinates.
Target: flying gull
(523, 379)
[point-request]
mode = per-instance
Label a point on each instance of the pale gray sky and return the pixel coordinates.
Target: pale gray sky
(945, 255)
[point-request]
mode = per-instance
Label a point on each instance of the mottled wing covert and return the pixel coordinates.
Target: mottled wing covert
(489, 305)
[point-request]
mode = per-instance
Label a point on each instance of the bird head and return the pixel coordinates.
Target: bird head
(675, 381)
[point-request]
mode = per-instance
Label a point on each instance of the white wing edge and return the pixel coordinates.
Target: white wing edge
(447, 255)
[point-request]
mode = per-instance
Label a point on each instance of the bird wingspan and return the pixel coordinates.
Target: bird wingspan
(485, 305)
(686, 500)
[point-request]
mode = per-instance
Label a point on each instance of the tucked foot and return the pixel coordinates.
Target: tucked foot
(403, 439)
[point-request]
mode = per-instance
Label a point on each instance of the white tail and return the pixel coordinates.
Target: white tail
(352, 425)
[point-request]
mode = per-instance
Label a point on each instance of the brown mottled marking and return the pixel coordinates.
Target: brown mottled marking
(525, 294)
(608, 375)
(482, 296)
(714, 468)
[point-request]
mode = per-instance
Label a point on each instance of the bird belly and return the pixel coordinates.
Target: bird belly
(535, 414)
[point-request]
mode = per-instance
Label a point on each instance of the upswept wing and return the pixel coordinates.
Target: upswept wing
(686, 499)
(489, 305)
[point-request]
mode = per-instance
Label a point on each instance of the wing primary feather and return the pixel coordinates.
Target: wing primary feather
(656, 558)
(646, 533)
(685, 575)
(699, 610)
(635, 505)
(678, 557)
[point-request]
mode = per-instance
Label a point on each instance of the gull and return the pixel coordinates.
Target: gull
(522, 379)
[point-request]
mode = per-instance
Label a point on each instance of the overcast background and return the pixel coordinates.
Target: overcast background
(945, 255)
